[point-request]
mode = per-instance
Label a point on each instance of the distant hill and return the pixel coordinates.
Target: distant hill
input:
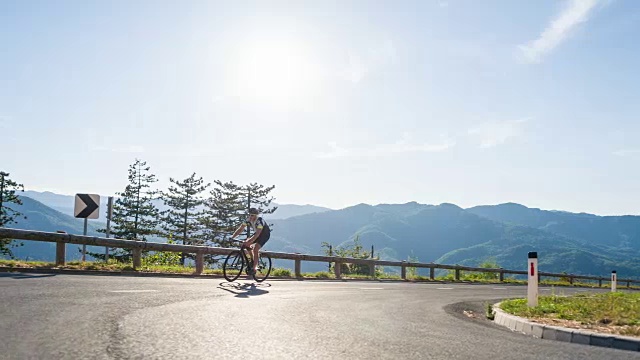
(446, 233)
(620, 232)
(65, 204)
(286, 211)
(61, 203)
(43, 218)
(449, 234)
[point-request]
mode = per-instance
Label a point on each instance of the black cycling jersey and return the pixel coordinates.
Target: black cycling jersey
(258, 224)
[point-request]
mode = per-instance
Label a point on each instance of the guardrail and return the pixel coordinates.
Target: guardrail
(61, 239)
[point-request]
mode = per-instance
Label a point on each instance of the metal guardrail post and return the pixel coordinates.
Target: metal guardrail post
(372, 269)
(137, 258)
(403, 271)
(61, 249)
(337, 268)
(199, 262)
(457, 274)
(298, 268)
(432, 273)
(501, 275)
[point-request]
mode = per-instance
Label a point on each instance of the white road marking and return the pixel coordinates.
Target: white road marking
(545, 289)
(445, 288)
(371, 288)
(499, 288)
(132, 291)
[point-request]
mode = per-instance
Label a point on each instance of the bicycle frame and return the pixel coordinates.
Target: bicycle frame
(248, 259)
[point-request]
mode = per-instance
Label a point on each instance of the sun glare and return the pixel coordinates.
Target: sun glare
(278, 72)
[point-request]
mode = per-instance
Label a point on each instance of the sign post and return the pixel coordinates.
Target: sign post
(108, 232)
(614, 281)
(87, 206)
(532, 283)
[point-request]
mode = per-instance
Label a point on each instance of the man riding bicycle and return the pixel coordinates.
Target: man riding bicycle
(261, 234)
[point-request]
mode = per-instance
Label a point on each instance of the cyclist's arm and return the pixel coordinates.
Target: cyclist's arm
(239, 230)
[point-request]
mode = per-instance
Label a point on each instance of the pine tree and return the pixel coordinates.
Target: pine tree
(8, 215)
(135, 216)
(224, 212)
(183, 218)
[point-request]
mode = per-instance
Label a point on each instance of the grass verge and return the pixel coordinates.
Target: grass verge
(614, 313)
(275, 272)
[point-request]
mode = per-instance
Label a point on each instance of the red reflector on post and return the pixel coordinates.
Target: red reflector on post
(532, 271)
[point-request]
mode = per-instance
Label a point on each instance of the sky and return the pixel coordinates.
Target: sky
(334, 102)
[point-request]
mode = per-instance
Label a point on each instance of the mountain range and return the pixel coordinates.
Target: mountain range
(566, 242)
(65, 203)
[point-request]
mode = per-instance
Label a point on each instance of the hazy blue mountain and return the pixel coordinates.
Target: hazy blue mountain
(61, 203)
(65, 204)
(43, 218)
(444, 233)
(286, 211)
(449, 234)
(620, 232)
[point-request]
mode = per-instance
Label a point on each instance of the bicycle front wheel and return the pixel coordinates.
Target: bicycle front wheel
(233, 265)
(264, 268)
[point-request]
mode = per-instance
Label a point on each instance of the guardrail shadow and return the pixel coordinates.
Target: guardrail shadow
(20, 276)
(245, 290)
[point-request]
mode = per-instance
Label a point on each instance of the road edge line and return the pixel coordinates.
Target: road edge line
(558, 333)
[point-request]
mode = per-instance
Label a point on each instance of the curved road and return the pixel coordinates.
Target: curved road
(117, 317)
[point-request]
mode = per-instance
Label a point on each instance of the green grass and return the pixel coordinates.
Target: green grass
(620, 311)
(275, 272)
(279, 272)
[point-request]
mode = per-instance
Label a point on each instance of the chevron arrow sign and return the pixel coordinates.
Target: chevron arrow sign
(87, 206)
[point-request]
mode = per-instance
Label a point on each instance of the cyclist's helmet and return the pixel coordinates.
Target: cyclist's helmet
(253, 211)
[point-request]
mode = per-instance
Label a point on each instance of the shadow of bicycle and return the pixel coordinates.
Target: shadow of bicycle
(19, 276)
(245, 290)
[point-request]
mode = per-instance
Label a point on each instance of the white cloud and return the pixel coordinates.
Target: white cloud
(625, 152)
(558, 30)
(402, 146)
(495, 133)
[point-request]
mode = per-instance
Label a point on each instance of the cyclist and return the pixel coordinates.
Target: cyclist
(261, 234)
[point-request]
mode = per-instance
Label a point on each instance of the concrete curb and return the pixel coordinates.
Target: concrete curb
(524, 326)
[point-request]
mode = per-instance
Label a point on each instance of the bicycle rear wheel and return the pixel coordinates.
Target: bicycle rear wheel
(233, 265)
(264, 268)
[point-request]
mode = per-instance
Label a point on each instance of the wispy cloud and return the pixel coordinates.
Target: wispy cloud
(625, 152)
(127, 149)
(402, 146)
(495, 133)
(576, 12)
(360, 65)
(4, 121)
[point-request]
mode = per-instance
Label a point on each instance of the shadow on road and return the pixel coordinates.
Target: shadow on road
(244, 290)
(20, 276)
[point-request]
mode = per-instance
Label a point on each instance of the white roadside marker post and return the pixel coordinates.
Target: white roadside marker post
(614, 281)
(532, 283)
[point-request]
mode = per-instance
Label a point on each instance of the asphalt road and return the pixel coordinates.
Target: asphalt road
(114, 317)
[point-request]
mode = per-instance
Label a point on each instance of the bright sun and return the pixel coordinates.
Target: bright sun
(278, 72)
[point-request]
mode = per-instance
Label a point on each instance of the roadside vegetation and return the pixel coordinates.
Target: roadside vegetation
(153, 264)
(616, 313)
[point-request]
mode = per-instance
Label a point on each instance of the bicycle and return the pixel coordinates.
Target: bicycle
(236, 261)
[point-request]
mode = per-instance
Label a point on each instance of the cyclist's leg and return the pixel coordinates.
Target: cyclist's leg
(254, 255)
